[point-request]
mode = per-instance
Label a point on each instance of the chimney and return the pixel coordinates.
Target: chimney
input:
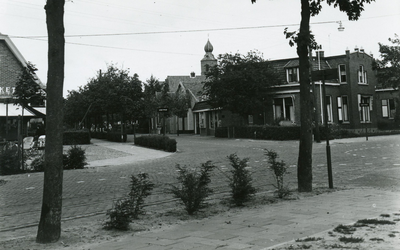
(192, 74)
(362, 50)
(356, 49)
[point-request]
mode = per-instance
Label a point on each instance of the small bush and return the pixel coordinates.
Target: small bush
(140, 187)
(193, 186)
(157, 142)
(75, 158)
(279, 169)
(9, 162)
(351, 239)
(241, 182)
(343, 229)
(309, 239)
(129, 208)
(73, 137)
(119, 216)
(37, 164)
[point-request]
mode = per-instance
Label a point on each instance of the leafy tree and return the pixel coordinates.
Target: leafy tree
(389, 66)
(27, 89)
(49, 229)
(239, 83)
(111, 92)
(304, 41)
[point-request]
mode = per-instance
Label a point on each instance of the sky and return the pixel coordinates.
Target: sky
(167, 37)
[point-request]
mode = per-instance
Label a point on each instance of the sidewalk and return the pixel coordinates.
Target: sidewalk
(136, 153)
(266, 227)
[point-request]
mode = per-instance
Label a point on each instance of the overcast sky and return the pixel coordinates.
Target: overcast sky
(167, 37)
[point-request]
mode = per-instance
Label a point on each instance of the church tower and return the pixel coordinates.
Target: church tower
(209, 60)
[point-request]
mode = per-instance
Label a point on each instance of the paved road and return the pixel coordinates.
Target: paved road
(356, 162)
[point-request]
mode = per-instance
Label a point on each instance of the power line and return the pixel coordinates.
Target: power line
(175, 31)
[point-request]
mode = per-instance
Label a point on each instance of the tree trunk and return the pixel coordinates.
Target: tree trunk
(49, 229)
(304, 164)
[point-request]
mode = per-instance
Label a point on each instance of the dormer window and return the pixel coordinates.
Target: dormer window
(292, 74)
(362, 75)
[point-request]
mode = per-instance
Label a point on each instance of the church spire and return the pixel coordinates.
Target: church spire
(209, 59)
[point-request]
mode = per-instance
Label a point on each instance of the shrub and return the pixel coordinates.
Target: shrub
(119, 215)
(157, 142)
(9, 162)
(141, 187)
(261, 132)
(279, 169)
(75, 158)
(193, 186)
(116, 136)
(126, 209)
(241, 181)
(37, 164)
(73, 137)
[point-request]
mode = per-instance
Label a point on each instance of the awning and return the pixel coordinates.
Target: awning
(16, 110)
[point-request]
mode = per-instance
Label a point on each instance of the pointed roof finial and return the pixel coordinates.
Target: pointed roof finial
(208, 48)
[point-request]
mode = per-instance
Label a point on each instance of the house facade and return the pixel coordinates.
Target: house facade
(11, 65)
(350, 96)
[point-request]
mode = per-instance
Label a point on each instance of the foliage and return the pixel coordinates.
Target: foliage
(75, 158)
(116, 136)
(388, 68)
(126, 209)
(157, 142)
(140, 187)
(241, 182)
(9, 162)
(111, 92)
(73, 137)
(279, 169)
(27, 88)
(240, 83)
(119, 216)
(261, 132)
(193, 186)
(351, 239)
(37, 164)
(343, 229)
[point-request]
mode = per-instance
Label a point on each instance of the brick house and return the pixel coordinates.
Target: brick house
(11, 65)
(350, 97)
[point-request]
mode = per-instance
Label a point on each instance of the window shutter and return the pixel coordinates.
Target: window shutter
(359, 101)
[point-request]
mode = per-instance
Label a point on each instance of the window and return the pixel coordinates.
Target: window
(342, 73)
(292, 74)
(365, 107)
(329, 107)
(362, 75)
(343, 108)
(283, 109)
(388, 108)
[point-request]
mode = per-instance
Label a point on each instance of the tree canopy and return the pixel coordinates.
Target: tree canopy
(239, 83)
(111, 92)
(388, 67)
(27, 89)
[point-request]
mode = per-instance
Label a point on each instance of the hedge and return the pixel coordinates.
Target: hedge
(75, 137)
(116, 136)
(157, 142)
(260, 132)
